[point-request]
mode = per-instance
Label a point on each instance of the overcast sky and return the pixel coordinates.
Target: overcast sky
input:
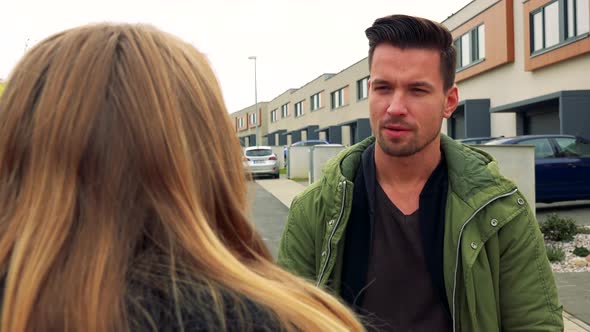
(295, 40)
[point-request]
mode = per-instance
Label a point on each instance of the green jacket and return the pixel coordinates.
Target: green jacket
(496, 272)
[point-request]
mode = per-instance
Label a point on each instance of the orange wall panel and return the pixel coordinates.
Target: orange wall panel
(499, 38)
(556, 55)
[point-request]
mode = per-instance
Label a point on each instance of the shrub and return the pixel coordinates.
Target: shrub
(556, 228)
(581, 251)
(555, 254)
(583, 230)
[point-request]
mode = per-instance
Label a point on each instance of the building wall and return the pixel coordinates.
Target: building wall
(250, 128)
(326, 115)
(276, 103)
(304, 94)
(499, 38)
(511, 82)
(471, 10)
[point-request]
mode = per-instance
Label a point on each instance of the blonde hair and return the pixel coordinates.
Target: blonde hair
(120, 173)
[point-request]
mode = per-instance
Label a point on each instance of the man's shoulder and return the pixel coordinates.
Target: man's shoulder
(312, 193)
(340, 168)
(472, 171)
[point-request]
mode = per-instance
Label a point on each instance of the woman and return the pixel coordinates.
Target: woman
(122, 197)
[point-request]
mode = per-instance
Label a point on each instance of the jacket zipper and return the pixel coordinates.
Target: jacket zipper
(329, 250)
(459, 247)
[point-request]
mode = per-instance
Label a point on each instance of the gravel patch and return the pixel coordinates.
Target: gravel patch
(572, 263)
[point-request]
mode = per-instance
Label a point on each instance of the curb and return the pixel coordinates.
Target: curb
(580, 324)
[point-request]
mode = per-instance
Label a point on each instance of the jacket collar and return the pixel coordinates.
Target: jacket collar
(473, 174)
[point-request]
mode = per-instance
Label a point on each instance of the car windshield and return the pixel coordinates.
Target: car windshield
(316, 143)
(258, 153)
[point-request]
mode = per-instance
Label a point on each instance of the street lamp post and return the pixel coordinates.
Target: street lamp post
(256, 99)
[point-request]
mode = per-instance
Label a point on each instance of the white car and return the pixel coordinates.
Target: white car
(262, 161)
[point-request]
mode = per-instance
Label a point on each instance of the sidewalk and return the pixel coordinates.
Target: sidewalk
(285, 190)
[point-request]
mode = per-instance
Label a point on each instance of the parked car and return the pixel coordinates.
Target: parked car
(562, 166)
(476, 140)
(308, 142)
(261, 161)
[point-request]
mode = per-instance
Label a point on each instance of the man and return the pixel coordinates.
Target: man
(412, 229)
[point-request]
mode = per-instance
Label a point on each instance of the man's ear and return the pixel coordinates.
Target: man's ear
(451, 101)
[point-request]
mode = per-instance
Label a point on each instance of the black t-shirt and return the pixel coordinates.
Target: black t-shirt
(399, 294)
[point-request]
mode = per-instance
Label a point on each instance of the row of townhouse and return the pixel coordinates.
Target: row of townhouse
(250, 123)
(523, 67)
(318, 110)
(333, 107)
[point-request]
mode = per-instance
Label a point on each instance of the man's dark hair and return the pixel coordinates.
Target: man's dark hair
(415, 32)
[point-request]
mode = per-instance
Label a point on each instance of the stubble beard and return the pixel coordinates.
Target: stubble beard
(394, 149)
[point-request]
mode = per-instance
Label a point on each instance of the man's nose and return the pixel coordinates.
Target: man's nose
(397, 104)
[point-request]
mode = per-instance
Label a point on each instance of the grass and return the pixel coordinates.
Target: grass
(284, 171)
(555, 254)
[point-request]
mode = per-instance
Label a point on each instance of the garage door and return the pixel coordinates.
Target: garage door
(458, 124)
(541, 122)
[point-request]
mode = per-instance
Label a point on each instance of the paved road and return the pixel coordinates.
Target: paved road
(574, 293)
(269, 215)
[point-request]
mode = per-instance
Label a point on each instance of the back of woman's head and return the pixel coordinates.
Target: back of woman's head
(120, 173)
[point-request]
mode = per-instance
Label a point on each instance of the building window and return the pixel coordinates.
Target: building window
(337, 98)
(273, 115)
(299, 109)
(362, 88)
(581, 10)
(471, 47)
(240, 123)
(481, 42)
(253, 118)
(316, 101)
(558, 22)
(285, 110)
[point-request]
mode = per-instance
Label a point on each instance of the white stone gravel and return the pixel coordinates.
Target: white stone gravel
(567, 265)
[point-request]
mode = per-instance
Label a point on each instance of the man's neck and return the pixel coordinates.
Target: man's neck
(407, 172)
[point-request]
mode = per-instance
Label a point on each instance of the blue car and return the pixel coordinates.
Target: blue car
(562, 166)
